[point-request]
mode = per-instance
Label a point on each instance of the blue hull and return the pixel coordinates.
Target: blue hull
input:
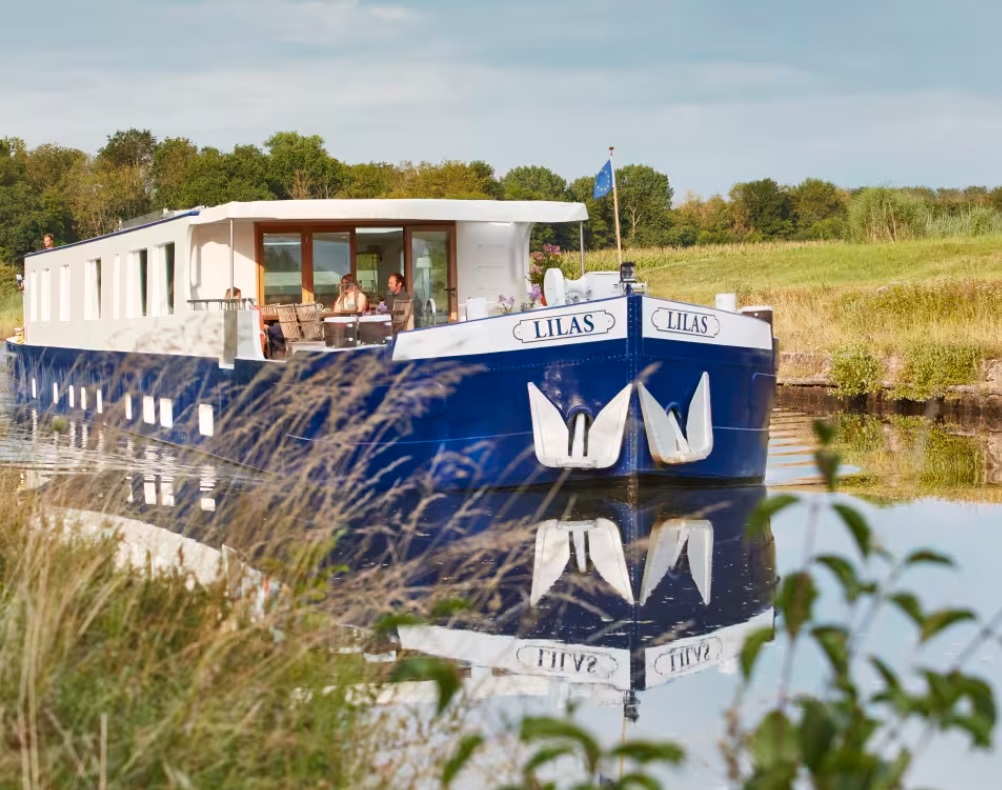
(456, 422)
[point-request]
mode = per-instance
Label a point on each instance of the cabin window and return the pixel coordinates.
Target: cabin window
(430, 255)
(167, 412)
(142, 261)
(379, 253)
(283, 268)
(116, 288)
(168, 264)
(331, 262)
(46, 297)
(33, 295)
(306, 262)
(92, 291)
(64, 292)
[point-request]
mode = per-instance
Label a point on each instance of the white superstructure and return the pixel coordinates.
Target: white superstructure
(145, 288)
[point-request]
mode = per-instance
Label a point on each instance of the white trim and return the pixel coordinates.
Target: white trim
(555, 327)
(416, 210)
(589, 664)
(689, 323)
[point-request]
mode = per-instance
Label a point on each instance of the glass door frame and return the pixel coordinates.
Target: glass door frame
(451, 276)
(308, 228)
(306, 231)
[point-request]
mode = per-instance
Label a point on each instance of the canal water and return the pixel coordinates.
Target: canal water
(629, 605)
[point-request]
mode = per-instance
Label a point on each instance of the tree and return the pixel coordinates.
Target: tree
(762, 207)
(12, 160)
(22, 222)
(533, 183)
(173, 161)
(369, 180)
(819, 209)
(300, 167)
(215, 177)
(645, 197)
(123, 170)
(450, 179)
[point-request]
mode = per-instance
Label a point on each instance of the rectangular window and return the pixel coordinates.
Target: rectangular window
(283, 268)
(167, 412)
(92, 291)
(33, 295)
(116, 289)
(331, 262)
(432, 278)
(379, 252)
(64, 292)
(168, 259)
(46, 296)
(149, 409)
(142, 263)
(205, 419)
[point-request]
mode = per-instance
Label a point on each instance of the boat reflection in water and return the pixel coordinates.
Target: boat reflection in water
(603, 595)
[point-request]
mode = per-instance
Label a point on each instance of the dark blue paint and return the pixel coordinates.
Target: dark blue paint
(360, 415)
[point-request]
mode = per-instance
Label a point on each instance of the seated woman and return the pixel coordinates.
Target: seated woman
(351, 300)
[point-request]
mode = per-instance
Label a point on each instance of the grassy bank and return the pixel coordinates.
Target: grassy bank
(897, 311)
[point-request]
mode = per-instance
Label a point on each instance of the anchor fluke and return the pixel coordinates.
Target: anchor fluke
(589, 447)
(668, 444)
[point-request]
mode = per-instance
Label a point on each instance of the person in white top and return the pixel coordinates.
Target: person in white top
(351, 300)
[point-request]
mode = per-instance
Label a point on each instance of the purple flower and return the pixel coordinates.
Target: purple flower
(535, 293)
(382, 308)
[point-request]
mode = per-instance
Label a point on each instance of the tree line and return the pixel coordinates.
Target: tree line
(76, 195)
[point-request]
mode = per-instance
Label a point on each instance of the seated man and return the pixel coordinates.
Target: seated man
(399, 304)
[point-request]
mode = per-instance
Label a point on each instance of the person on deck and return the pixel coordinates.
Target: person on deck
(400, 305)
(48, 241)
(351, 300)
(398, 291)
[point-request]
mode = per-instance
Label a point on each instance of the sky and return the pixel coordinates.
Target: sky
(711, 92)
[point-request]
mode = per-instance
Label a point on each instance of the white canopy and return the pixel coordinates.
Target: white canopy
(400, 210)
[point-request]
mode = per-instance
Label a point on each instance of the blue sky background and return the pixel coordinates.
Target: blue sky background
(709, 91)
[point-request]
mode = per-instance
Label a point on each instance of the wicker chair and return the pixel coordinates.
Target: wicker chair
(289, 321)
(309, 321)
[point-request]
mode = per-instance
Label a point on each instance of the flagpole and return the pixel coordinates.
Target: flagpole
(615, 207)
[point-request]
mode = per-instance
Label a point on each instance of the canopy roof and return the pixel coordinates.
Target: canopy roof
(405, 209)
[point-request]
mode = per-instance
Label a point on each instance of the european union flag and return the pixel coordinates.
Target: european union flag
(603, 181)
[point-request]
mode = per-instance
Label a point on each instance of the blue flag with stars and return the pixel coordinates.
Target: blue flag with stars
(603, 181)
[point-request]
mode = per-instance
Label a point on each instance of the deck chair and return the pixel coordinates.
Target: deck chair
(309, 321)
(289, 322)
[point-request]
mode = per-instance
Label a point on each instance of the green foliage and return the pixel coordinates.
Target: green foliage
(842, 737)
(856, 371)
(819, 209)
(556, 739)
(884, 214)
(645, 197)
(930, 368)
(300, 168)
(763, 207)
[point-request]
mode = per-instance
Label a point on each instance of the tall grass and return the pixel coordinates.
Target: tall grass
(11, 313)
(929, 297)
